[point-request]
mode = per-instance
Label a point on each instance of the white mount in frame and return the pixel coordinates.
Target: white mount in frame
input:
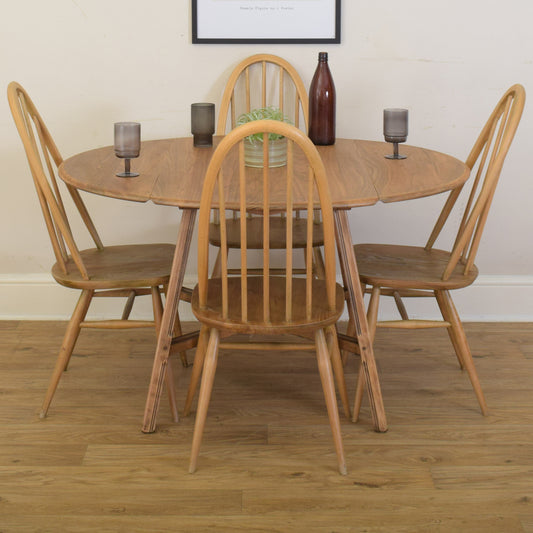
(266, 21)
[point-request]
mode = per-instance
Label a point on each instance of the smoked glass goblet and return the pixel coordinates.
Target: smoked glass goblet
(127, 145)
(395, 129)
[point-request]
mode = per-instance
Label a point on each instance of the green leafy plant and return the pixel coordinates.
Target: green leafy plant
(264, 113)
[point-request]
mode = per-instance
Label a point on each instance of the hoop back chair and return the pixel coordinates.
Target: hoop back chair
(115, 271)
(260, 81)
(409, 271)
(259, 302)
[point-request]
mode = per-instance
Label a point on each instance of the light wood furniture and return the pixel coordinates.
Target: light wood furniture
(111, 271)
(260, 81)
(410, 271)
(266, 304)
(172, 173)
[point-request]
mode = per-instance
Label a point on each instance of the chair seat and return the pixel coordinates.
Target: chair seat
(321, 315)
(413, 267)
(254, 233)
(129, 266)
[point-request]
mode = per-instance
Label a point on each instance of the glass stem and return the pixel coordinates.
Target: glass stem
(127, 165)
(396, 153)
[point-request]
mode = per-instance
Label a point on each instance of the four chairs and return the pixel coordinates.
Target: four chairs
(260, 81)
(305, 303)
(104, 271)
(261, 303)
(412, 271)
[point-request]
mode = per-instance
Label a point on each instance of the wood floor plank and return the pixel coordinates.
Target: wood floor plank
(386, 504)
(406, 455)
(42, 454)
(477, 477)
(423, 434)
(309, 522)
(119, 499)
(69, 433)
(527, 523)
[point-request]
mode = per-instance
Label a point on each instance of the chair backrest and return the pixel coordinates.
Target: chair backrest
(44, 158)
(485, 162)
(259, 81)
(300, 184)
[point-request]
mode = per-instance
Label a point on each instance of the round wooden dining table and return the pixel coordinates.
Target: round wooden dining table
(171, 172)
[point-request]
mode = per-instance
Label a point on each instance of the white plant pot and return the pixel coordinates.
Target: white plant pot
(277, 153)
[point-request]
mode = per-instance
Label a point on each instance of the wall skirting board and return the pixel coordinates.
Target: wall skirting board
(490, 299)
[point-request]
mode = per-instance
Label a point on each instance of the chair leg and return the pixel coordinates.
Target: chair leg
(359, 390)
(157, 305)
(208, 377)
(400, 306)
(177, 333)
(372, 312)
(171, 388)
(445, 301)
(372, 319)
(336, 363)
(69, 341)
(350, 331)
(451, 331)
(217, 267)
(318, 263)
(129, 305)
(197, 366)
(326, 376)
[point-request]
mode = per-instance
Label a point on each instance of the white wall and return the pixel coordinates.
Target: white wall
(90, 63)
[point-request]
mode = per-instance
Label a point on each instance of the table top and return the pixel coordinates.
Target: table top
(172, 172)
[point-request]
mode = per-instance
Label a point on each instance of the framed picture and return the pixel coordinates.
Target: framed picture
(266, 21)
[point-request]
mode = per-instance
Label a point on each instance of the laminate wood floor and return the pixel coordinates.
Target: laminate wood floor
(267, 461)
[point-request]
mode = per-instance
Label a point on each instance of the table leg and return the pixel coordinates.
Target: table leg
(356, 309)
(168, 320)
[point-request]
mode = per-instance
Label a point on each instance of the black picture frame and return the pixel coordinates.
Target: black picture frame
(200, 36)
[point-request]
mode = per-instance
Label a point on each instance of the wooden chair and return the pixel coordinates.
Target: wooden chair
(410, 271)
(267, 304)
(111, 271)
(260, 81)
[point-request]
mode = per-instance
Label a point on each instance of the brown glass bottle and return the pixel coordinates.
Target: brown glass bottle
(322, 104)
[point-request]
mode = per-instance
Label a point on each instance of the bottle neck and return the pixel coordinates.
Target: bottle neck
(323, 57)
